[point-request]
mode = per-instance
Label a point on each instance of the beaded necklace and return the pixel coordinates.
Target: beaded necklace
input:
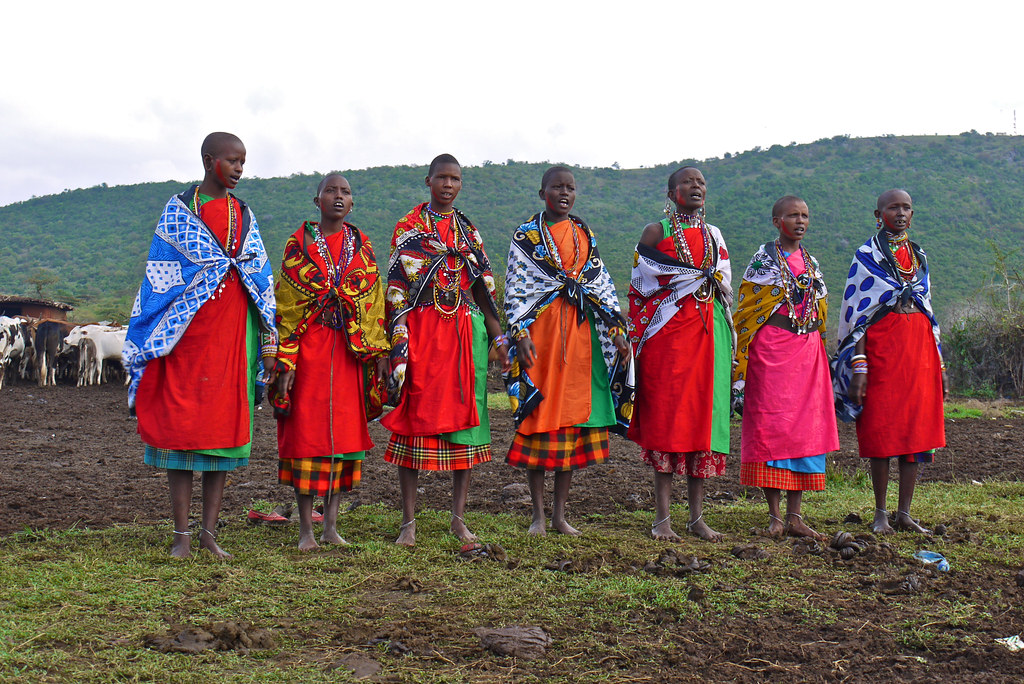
(232, 219)
(552, 248)
(334, 271)
(801, 285)
(451, 291)
(705, 293)
(896, 242)
(229, 243)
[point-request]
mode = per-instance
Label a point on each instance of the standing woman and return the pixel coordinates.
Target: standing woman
(682, 337)
(782, 374)
(332, 358)
(441, 313)
(564, 314)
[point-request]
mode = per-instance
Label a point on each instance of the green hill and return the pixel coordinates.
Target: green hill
(967, 190)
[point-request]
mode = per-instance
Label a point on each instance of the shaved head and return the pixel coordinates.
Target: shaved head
(780, 206)
(890, 195)
(674, 178)
(320, 188)
(215, 142)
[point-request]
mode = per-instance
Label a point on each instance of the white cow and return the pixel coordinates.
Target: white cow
(108, 341)
(12, 344)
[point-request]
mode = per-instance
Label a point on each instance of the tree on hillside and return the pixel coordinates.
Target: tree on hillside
(41, 278)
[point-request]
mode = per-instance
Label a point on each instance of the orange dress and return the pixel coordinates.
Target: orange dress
(554, 435)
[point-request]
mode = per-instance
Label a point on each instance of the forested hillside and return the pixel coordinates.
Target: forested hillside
(89, 246)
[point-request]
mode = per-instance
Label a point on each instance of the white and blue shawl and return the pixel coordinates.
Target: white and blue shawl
(186, 264)
(873, 288)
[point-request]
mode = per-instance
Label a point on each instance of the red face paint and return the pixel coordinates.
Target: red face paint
(220, 174)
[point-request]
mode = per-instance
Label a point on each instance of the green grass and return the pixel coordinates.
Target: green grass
(76, 604)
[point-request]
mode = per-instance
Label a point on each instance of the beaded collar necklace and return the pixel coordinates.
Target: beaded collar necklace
(232, 219)
(334, 272)
(896, 242)
(680, 222)
(552, 248)
(799, 290)
(452, 289)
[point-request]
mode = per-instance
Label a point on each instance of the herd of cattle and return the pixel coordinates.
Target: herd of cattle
(46, 350)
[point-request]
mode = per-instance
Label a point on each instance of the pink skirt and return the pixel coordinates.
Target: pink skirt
(788, 409)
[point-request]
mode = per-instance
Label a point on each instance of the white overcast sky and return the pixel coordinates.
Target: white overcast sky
(123, 92)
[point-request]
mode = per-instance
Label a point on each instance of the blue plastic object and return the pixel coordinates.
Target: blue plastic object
(933, 558)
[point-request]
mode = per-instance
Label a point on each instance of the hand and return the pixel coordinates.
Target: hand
(284, 382)
(945, 386)
(858, 388)
(269, 369)
(526, 353)
(622, 345)
(383, 369)
(506, 363)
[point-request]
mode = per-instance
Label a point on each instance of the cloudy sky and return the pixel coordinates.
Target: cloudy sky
(123, 92)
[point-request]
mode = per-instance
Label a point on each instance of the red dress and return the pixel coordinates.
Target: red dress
(197, 397)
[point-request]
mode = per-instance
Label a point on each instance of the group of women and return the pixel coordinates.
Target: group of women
(575, 367)
(420, 336)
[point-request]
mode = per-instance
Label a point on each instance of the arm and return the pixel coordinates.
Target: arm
(652, 235)
(859, 381)
(491, 322)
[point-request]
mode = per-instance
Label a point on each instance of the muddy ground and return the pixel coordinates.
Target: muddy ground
(72, 456)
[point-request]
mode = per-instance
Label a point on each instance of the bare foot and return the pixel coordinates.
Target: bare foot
(563, 527)
(881, 525)
(798, 528)
(332, 537)
(459, 529)
(307, 542)
(700, 529)
(776, 527)
(904, 523)
(407, 534)
(181, 547)
(663, 532)
(210, 544)
(538, 528)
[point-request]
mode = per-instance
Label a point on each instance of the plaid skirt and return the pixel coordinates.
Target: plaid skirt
(319, 476)
(697, 464)
(172, 459)
(763, 475)
(434, 453)
(569, 448)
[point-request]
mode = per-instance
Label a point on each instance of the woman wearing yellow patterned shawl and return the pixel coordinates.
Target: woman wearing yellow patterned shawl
(782, 380)
(331, 360)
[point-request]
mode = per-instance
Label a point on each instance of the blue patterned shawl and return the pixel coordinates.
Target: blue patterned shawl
(873, 287)
(186, 264)
(535, 278)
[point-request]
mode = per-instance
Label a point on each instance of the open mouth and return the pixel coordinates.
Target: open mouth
(340, 206)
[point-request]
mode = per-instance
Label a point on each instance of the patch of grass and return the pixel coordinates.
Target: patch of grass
(498, 400)
(77, 604)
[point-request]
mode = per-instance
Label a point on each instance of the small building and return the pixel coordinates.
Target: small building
(33, 307)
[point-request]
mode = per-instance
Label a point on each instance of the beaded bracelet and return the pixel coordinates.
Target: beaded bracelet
(859, 357)
(523, 334)
(500, 340)
(268, 350)
(616, 331)
(859, 366)
(400, 329)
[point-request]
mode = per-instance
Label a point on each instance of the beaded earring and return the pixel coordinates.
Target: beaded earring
(878, 223)
(669, 206)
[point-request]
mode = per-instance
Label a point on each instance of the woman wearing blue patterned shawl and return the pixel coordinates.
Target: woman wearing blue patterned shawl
(569, 380)
(194, 339)
(888, 371)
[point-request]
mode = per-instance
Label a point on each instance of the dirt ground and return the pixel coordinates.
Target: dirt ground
(72, 456)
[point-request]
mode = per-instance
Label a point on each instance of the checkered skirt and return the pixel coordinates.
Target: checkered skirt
(173, 459)
(434, 453)
(319, 476)
(763, 475)
(569, 448)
